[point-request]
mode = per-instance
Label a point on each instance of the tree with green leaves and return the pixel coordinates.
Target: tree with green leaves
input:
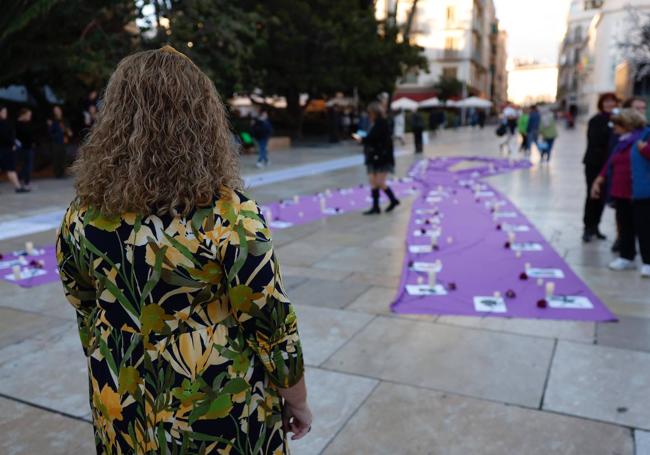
(448, 87)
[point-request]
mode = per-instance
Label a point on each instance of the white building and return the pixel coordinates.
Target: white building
(603, 54)
(532, 83)
(579, 18)
(456, 36)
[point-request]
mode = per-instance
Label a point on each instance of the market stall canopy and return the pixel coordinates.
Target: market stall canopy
(474, 101)
(430, 102)
(404, 103)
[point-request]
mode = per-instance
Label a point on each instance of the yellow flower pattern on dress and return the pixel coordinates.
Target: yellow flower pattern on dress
(186, 327)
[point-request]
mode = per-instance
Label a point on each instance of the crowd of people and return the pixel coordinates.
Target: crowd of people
(536, 125)
(617, 173)
(20, 136)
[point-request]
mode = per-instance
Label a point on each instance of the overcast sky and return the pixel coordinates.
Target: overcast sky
(535, 28)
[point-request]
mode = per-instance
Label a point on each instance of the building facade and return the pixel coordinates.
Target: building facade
(604, 65)
(531, 83)
(498, 66)
(572, 48)
(457, 37)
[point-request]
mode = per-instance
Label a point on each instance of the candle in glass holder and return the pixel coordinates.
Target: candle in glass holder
(511, 237)
(527, 266)
(432, 279)
(322, 204)
(550, 289)
(296, 199)
(16, 272)
(29, 248)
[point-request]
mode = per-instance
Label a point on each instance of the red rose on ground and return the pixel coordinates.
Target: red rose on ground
(542, 303)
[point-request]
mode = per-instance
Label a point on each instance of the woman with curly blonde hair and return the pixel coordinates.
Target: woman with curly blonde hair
(192, 344)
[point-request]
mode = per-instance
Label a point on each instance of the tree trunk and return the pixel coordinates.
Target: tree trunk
(295, 113)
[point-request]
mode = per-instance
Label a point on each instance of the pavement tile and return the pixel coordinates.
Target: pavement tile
(642, 442)
(491, 365)
(29, 430)
(628, 333)
(399, 419)
(601, 383)
(327, 293)
(333, 398)
(16, 325)
(324, 330)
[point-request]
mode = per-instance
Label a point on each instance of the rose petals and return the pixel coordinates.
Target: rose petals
(542, 303)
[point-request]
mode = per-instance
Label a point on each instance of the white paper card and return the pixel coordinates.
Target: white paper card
(332, 211)
(26, 273)
(434, 199)
(526, 246)
(418, 249)
(576, 302)
(484, 194)
(424, 289)
(490, 305)
(425, 211)
(280, 224)
(430, 233)
(544, 273)
(9, 264)
(425, 267)
(515, 228)
(505, 215)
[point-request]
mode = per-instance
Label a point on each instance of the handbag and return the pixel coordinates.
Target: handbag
(501, 130)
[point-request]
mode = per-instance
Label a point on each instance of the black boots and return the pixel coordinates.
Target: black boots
(394, 202)
(374, 210)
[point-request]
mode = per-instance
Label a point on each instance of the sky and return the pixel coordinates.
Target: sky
(535, 28)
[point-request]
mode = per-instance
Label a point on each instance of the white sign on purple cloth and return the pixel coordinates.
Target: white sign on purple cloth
(575, 302)
(526, 246)
(26, 273)
(424, 289)
(545, 273)
(426, 267)
(490, 304)
(420, 249)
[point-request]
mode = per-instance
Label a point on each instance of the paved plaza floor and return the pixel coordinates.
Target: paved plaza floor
(382, 383)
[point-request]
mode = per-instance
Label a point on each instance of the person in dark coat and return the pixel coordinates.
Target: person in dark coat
(60, 134)
(7, 150)
(417, 125)
(26, 143)
(379, 157)
(599, 139)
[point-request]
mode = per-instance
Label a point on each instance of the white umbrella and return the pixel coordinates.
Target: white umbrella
(431, 102)
(474, 101)
(404, 103)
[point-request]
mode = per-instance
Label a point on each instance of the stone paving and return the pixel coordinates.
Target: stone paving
(382, 383)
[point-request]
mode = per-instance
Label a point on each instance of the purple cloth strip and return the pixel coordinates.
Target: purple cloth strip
(478, 262)
(37, 276)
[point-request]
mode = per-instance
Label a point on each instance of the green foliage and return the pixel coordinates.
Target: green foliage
(218, 35)
(448, 87)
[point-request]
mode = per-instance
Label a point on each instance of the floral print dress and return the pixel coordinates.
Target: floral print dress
(186, 327)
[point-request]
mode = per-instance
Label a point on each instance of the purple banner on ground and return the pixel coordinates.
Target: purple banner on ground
(471, 252)
(30, 267)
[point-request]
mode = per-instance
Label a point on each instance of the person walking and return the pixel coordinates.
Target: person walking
(532, 129)
(629, 189)
(8, 150)
(522, 128)
(417, 126)
(26, 145)
(379, 158)
(262, 131)
(599, 133)
(60, 135)
(509, 118)
(399, 126)
(191, 341)
(548, 132)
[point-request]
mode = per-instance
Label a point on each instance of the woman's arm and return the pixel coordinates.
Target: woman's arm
(297, 416)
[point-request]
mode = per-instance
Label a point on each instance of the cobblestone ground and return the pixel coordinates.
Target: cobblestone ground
(381, 383)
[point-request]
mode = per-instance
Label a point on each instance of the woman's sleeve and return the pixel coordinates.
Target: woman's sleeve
(75, 275)
(645, 151)
(257, 296)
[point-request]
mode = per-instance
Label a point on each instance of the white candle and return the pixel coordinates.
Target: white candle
(29, 248)
(540, 281)
(497, 294)
(432, 279)
(22, 260)
(296, 199)
(527, 266)
(517, 254)
(322, 204)
(450, 239)
(434, 239)
(511, 237)
(328, 192)
(269, 215)
(420, 280)
(438, 265)
(16, 271)
(550, 289)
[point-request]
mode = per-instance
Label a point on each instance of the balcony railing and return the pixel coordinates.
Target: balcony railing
(451, 54)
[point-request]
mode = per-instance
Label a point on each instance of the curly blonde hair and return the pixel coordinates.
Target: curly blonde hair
(162, 141)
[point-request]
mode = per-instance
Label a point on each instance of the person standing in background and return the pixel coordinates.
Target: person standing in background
(8, 150)
(629, 188)
(417, 125)
(25, 149)
(548, 131)
(482, 116)
(638, 104)
(522, 128)
(599, 134)
(532, 130)
(262, 131)
(399, 126)
(60, 135)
